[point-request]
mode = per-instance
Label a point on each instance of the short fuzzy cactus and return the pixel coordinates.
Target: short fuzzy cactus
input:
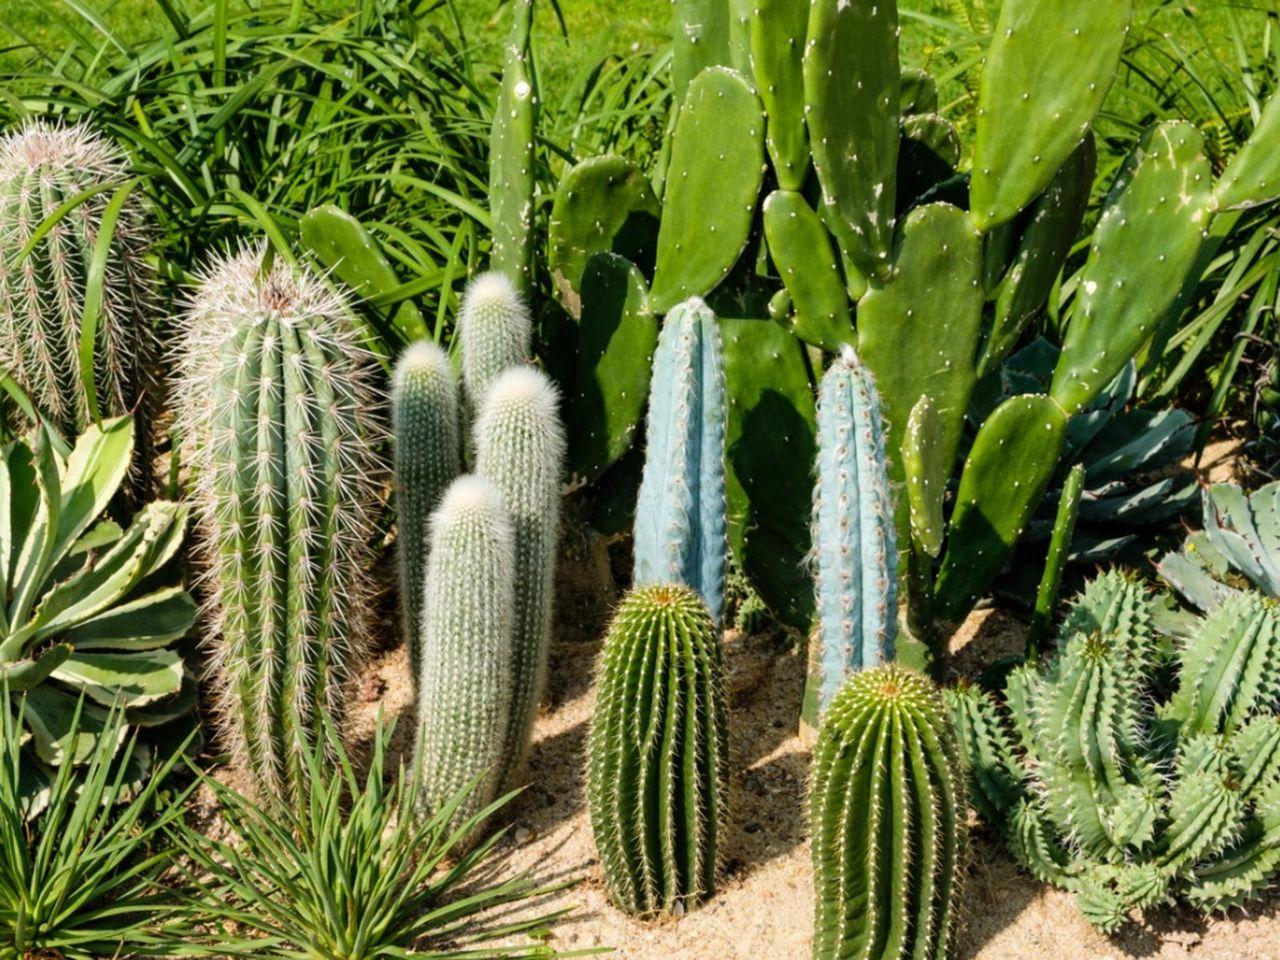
(520, 448)
(281, 418)
(854, 541)
(887, 806)
(428, 457)
(495, 330)
(466, 680)
(680, 533)
(43, 166)
(657, 768)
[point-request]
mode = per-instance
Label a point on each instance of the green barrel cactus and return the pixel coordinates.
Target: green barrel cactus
(428, 456)
(856, 557)
(520, 448)
(658, 757)
(467, 676)
(279, 409)
(887, 807)
(1131, 777)
(495, 330)
(45, 280)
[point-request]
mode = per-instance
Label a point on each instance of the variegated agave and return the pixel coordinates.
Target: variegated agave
(89, 609)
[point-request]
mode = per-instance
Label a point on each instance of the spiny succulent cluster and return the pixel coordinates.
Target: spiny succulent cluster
(887, 807)
(1135, 769)
(277, 400)
(658, 757)
(60, 180)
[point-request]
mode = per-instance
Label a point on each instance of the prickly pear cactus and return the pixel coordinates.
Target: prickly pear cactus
(43, 294)
(428, 456)
(495, 330)
(680, 534)
(887, 807)
(520, 449)
(854, 541)
(278, 403)
(468, 668)
(657, 760)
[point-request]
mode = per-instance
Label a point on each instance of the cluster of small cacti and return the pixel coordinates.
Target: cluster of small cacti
(1130, 781)
(477, 550)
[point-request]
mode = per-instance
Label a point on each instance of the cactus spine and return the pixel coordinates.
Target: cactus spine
(887, 808)
(657, 772)
(520, 448)
(428, 456)
(680, 534)
(853, 534)
(279, 409)
(42, 295)
(495, 330)
(464, 689)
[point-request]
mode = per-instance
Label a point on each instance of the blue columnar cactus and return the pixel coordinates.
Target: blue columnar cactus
(520, 448)
(680, 534)
(279, 408)
(853, 534)
(428, 456)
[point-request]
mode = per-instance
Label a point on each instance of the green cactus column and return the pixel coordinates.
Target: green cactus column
(887, 807)
(657, 761)
(279, 408)
(428, 456)
(43, 167)
(520, 448)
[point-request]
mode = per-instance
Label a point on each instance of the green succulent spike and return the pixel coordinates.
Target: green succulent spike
(801, 250)
(711, 194)
(887, 809)
(512, 163)
(926, 475)
(467, 679)
(1022, 440)
(1031, 119)
(699, 39)
(279, 407)
(1157, 215)
(428, 457)
(617, 337)
(777, 33)
(996, 778)
(495, 330)
(852, 93)
(603, 205)
(1253, 175)
(45, 275)
(520, 446)
(657, 760)
(1059, 547)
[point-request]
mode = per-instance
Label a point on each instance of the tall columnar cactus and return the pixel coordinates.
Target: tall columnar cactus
(887, 807)
(680, 512)
(43, 294)
(853, 534)
(657, 767)
(467, 676)
(280, 411)
(520, 448)
(495, 330)
(1129, 780)
(428, 456)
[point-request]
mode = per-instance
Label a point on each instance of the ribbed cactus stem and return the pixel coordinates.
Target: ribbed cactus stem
(495, 330)
(853, 533)
(42, 295)
(464, 690)
(657, 767)
(680, 512)
(279, 409)
(520, 448)
(428, 457)
(887, 807)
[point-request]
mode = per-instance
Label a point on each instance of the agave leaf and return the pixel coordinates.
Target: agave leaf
(158, 712)
(94, 472)
(35, 550)
(20, 675)
(147, 623)
(133, 679)
(50, 714)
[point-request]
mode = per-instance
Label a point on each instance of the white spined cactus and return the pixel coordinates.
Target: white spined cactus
(520, 448)
(279, 411)
(495, 329)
